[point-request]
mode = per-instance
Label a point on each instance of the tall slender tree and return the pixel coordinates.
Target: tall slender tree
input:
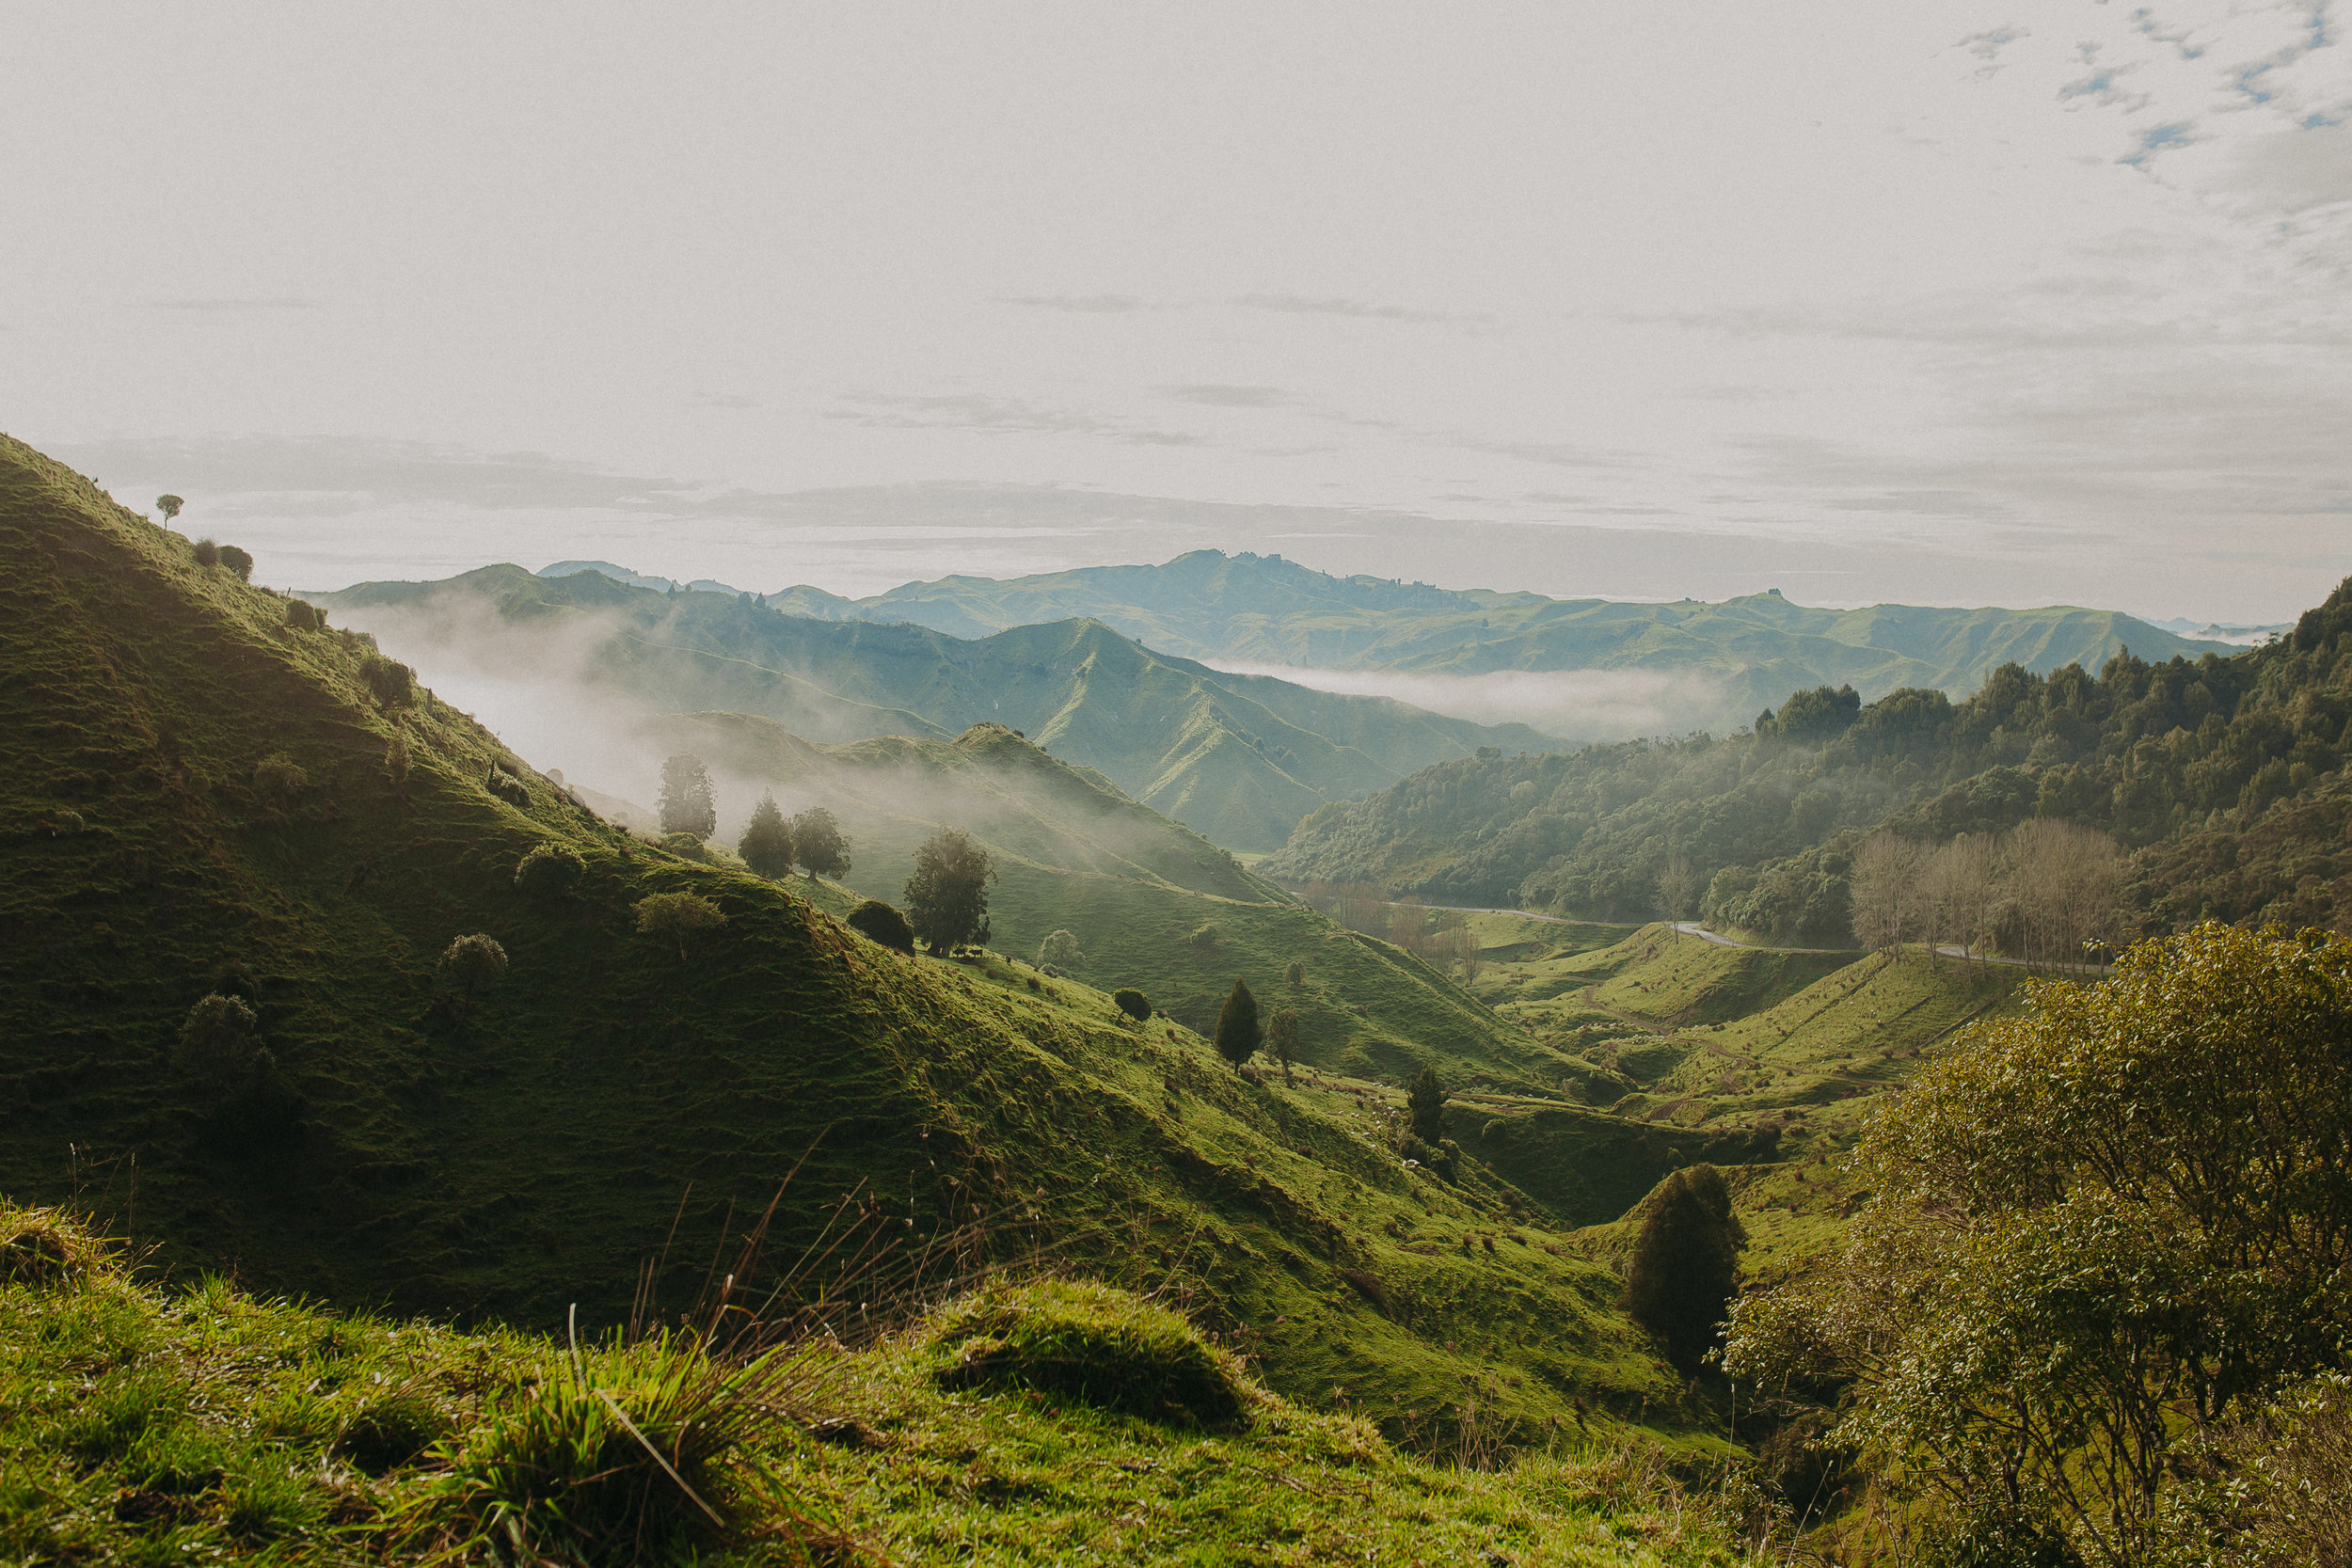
(1238, 1032)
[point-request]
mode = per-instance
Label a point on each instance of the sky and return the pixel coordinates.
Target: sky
(1946, 302)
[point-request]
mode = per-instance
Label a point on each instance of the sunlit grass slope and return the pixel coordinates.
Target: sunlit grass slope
(523, 1152)
(1031, 1423)
(1763, 1059)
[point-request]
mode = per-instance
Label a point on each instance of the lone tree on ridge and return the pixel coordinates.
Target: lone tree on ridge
(948, 895)
(169, 506)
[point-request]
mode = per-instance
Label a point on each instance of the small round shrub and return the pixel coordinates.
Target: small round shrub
(884, 923)
(1090, 1343)
(549, 872)
(237, 561)
(685, 847)
(217, 1045)
(473, 963)
(1133, 1002)
(207, 553)
(277, 778)
(393, 683)
(1295, 974)
(1205, 935)
(302, 615)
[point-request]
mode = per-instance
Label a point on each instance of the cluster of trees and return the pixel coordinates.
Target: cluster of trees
(2203, 752)
(2048, 891)
(1440, 936)
(2094, 1309)
(772, 843)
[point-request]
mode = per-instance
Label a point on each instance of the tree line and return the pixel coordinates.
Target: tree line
(2047, 890)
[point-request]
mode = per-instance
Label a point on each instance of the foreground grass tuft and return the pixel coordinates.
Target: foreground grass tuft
(1098, 1346)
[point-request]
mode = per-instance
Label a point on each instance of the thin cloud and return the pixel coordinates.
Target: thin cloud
(992, 416)
(1216, 396)
(1301, 305)
(1084, 305)
(226, 306)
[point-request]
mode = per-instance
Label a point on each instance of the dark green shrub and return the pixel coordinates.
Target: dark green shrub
(278, 779)
(1425, 1102)
(1295, 974)
(1685, 1267)
(673, 914)
(393, 683)
(472, 965)
(549, 872)
(238, 562)
(302, 615)
(1090, 1343)
(507, 788)
(687, 846)
(1204, 936)
(1133, 1002)
(884, 923)
(1238, 1032)
(207, 553)
(217, 1045)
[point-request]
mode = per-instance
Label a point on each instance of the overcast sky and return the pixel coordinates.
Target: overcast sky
(1936, 302)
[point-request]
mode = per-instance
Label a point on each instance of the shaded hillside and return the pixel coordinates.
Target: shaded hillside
(2224, 774)
(1749, 651)
(1238, 759)
(1072, 853)
(199, 794)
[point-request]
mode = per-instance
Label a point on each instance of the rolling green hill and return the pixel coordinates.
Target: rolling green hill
(199, 794)
(1240, 759)
(1750, 651)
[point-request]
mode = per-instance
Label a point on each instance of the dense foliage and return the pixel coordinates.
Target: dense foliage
(2224, 775)
(948, 895)
(2103, 1232)
(1686, 1263)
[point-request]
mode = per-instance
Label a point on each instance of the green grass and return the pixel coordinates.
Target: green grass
(503, 1157)
(149, 1425)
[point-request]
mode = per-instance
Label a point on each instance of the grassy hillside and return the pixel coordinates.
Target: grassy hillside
(153, 1425)
(1749, 652)
(1240, 760)
(197, 798)
(2225, 775)
(1766, 1061)
(1072, 853)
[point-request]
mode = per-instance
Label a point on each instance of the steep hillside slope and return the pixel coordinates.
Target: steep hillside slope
(1072, 853)
(1240, 760)
(200, 794)
(1751, 651)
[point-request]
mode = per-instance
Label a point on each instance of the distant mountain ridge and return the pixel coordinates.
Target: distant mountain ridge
(1754, 651)
(1239, 758)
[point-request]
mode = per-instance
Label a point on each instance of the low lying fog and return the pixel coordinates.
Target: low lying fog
(1575, 705)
